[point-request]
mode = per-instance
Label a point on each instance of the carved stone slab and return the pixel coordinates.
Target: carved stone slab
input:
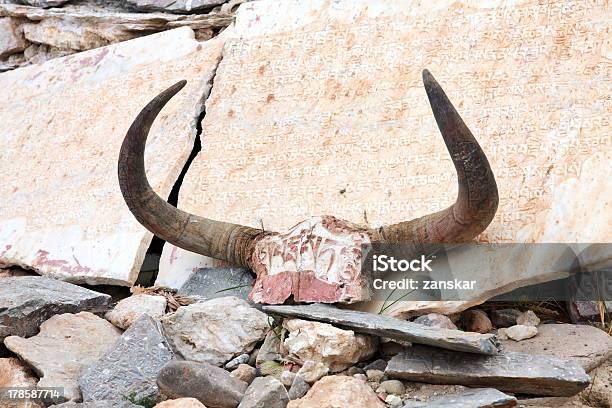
(390, 327)
(318, 109)
(474, 398)
(210, 283)
(61, 129)
(511, 372)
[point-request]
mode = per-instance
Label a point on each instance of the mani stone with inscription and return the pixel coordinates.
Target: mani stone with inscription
(62, 212)
(27, 301)
(131, 366)
(319, 109)
(472, 398)
(509, 371)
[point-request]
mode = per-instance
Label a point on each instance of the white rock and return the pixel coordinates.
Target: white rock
(520, 332)
(87, 234)
(130, 309)
(501, 334)
(66, 345)
(338, 391)
(338, 349)
(216, 330)
(528, 318)
(393, 400)
(312, 371)
(11, 37)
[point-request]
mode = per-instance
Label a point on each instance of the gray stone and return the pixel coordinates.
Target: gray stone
(265, 392)
(519, 332)
(27, 301)
(375, 375)
(271, 348)
(98, 404)
(512, 372)
(212, 283)
(436, 320)
(528, 319)
(473, 398)
(174, 6)
(392, 387)
(587, 345)
(44, 3)
(11, 37)
(211, 385)
(504, 317)
(387, 326)
(131, 366)
(379, 364)
(235, 362)
(245, 372)
(299, 388)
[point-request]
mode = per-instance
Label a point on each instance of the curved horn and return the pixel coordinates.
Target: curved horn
(477, 198)
(221, 240)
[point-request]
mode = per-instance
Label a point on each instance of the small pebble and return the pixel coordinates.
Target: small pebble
(393, 400)
(392, 387)
(520, 332)
(528, 319)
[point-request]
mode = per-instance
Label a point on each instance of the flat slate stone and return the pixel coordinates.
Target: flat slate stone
(475, 398)
(27, 301)
(390, 327)
(212, 283)
(511, 372)
(131, 366)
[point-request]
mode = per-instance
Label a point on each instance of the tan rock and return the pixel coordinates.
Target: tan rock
(342, 121)
(312, 371)
(528, 318)
(476, 321)
(12, 40)
(181, 403)
(128, 310)
(86, 233)
(66, 345)
(338, 349)
(245, 373)
(338, 391)
(13, 373)
(519, 332)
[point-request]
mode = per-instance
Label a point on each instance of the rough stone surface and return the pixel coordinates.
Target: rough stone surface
(131, 366)
(392, 387)
(245, 372)
(512, 372)
(27, 301)
(393, 400)
(235, 362)
(216, 330)
(520, 332)
(436, 320)
(504, 317)
(375, 375)
(338, 391)
(66, 345)
(13, 373)
(45, 3)
(271, 349)
(587, 345)
(476, 321)
(211, 283)
(474, 398)
(337, 349)
(211, 385)
(128, 310)
(98, 404)
(379, 364)
(87, 234)
(180, 6)
(342, 119)
(528, 318)
(312, 371)
(265, 392)
(299, 388)
(181, 403)
(11, 37)
(390, 327)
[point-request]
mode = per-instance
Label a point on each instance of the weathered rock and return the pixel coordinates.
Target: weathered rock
(512, 372)
(587, 345)
(87, 234)
(379, 364)
(312, 371)
(528, 319)
(338, 391)
(27, 301)
(66, 345)
(235, 362)
(181, 403)
(360, 376)
(45, 3)
(211, 283)
(271, 349)
(334, 114)
(504, 317)
(131, 366)
(476, 321)
(211, 385)
(474, 398)
(392, 387)
(14, 374)
(128, 310)
(520, 332)
(120, 403)
(11, 37)
(180, 6)
(375, 375)
(265, 392)
(393, 400)
(436, 320)
(390, 327)
(336, 348)
(299, 388)
(245, 372)
(216, 330)
(287, 377)
(501, 334)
